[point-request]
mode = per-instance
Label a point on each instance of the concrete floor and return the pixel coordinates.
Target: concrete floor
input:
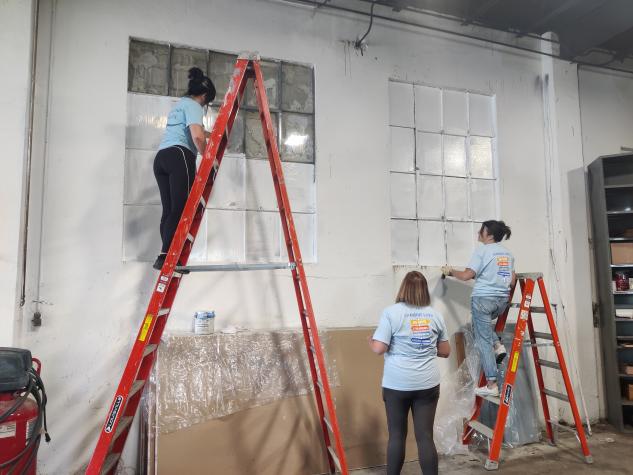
(612, 454)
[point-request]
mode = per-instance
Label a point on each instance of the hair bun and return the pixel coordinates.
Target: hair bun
(196, 74)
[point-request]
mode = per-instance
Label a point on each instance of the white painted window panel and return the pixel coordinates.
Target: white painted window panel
(480, 154)
(305, 225)
(455, 107)
(228, 189)
(141, 235)
(225, 235)
(300, 183)
(404, 242)
(460, 241)
(146, 120)
(454, 155)
(481, 114)
(401, 104)
(430, 203)
(428, 108)
(429, 153)
(262, 236)
(482, 199)
(456, 197)
(402, 195)
(402, 149)
(431, 245)
(140, 184)
(260, 190)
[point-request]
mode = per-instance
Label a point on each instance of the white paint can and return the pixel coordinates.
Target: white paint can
(203, 322)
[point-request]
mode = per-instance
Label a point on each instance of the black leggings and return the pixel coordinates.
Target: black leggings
(174, 169)
(423, 404)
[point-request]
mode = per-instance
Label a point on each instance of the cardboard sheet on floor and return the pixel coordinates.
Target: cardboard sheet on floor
(279, 437)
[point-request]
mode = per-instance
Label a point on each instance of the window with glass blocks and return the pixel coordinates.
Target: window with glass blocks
(443, 178)
(241, 223)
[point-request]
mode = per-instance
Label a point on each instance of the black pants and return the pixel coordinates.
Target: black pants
(175, 170)
(423, 404)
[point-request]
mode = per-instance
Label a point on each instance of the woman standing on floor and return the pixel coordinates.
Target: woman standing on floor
(175, 162)
(492, 267)
(411, 335)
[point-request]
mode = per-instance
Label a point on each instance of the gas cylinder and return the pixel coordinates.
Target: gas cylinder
(15, 432)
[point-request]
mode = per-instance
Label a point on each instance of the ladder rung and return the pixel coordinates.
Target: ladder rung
(149, 349)
(318, 383)
(557, 395)
(532, 309)
(327, 423)
(543, 336)
(530, 275)
(335, 458)
(235, 267)
(138, 384)
(492, 399)
(203, 203)
(163, 311)
(110, 462)
(123, 423)
(536, 345)
(549, 364)
(190, 237)
(481, 428)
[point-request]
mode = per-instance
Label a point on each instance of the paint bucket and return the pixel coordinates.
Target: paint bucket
(203, 322)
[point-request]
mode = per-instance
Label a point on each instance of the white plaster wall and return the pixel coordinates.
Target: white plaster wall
(15, 56)
(606, 100)
(94, 302)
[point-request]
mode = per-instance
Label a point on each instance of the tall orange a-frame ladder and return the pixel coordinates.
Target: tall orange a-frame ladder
(128, 394)
(527, 282)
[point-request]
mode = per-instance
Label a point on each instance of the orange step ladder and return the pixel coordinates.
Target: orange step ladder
(124, 406)
(527, 282)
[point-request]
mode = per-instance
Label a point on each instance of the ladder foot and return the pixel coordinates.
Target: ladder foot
(588, 459)
(491, 465)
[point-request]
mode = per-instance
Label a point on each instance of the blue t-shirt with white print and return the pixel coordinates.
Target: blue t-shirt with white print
(412, 334)
(493, 266)
(185, 113)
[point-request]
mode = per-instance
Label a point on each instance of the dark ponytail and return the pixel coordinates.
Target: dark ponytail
(497, 229)
(200, 84)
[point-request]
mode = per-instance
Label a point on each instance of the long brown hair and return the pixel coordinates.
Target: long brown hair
(414, 290)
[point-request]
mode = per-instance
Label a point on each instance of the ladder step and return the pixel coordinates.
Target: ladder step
(123, 424)
(203, 203)
(549, 364)
(532, 309)
(163, 311)
(190, 237)
(110, 461)
(335, 458)
(530, 275)
(136, 386)
(481, 428)
(318, 383)
(493, 399)
(149, 349)
(235, 267)
(543, 336)
(557, 395)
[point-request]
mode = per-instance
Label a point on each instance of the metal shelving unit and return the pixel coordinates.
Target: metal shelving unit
(611, 188)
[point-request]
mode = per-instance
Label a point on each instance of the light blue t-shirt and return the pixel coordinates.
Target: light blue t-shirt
(183, 114)
(493, 265)
(412, 334)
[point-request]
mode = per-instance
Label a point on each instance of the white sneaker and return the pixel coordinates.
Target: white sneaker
(500, 353)
(486, 391)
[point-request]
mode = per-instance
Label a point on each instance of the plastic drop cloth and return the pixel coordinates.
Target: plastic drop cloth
(202, 377)
(457, 402)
